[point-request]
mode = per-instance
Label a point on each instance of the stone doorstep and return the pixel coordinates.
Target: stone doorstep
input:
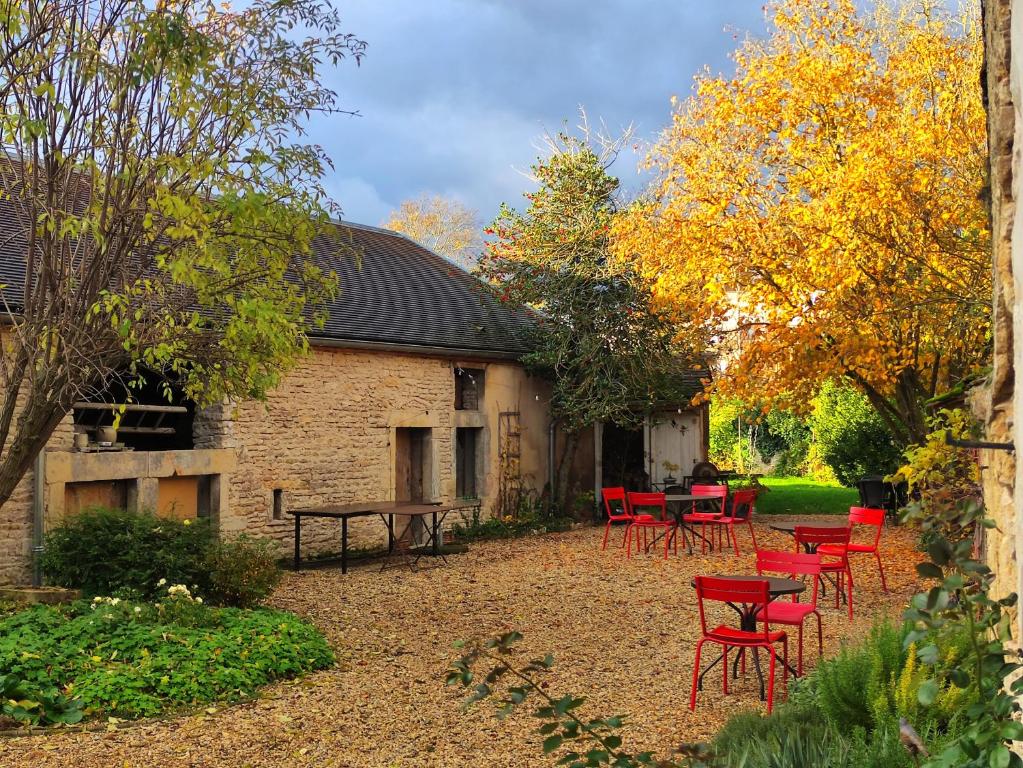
(43, 595)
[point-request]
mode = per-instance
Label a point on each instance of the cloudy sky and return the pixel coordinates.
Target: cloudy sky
(455, 94)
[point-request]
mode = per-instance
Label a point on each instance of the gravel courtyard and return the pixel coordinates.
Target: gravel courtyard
(622, 634)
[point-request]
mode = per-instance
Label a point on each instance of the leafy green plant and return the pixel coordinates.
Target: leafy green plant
(37, 705)
(243, 571)
(102, 551)
(959, 602)
(845, 688)
(578, 742)
(131, 660)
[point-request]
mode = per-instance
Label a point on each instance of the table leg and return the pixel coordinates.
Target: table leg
(298, 541)
(390, 533)
(436, 545)
(344, 545)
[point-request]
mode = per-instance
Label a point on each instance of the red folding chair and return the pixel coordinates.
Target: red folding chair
(864, 516)
(642, 522)
(753, 595)
(836, 561)
(709, 494)
(793, 614)
(616, 512)
(741, 512)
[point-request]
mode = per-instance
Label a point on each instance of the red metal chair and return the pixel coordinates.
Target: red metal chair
(753, 595)
(610, 496)
(794, 613)
(836, 562)
(865, 516)
(741, 512)
(709, 493)
(642, 522)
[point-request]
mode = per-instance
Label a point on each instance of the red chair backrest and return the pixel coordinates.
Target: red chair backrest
(790, 564)
(712, 491)
(752, 592)
(637, 500)
(742, 504)
(868, 516)
(616, 494)
(807, 534)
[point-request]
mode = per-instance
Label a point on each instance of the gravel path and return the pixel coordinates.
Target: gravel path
(622, 634)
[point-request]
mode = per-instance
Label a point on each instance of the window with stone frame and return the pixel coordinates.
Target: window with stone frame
(468, 389)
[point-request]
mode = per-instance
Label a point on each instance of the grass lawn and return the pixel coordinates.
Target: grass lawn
(803, 496)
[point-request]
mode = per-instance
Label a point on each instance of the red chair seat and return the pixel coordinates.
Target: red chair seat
(830, 549)
(701, 517)
(644, 518)
(734, 636)
(786, 613)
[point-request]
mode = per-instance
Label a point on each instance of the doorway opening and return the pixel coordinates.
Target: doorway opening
(622, 458)
(412, 468)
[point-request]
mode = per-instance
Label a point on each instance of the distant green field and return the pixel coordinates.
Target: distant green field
(802, 496)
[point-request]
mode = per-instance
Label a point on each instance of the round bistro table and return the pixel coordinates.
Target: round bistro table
(776, 587)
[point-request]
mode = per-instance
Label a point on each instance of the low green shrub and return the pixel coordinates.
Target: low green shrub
(24, 702)
(532, 513)
(130, 555)
(110, 551)
(130, 660)
(243, 571)
(847, 687)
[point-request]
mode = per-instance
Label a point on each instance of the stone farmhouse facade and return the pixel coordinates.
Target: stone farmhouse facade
(413, 390)
(1000, 400)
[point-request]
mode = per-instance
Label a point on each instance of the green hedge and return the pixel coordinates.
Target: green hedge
(114, 552)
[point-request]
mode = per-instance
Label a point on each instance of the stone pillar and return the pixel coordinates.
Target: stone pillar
(997, 402)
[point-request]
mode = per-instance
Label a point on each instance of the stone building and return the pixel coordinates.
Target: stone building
(412, 391)
(999, 401)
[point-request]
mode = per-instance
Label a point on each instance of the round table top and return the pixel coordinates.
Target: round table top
(687, 497)
(789, 526)
(776, 585)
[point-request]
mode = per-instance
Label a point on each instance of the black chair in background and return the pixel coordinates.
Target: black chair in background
(877, 493)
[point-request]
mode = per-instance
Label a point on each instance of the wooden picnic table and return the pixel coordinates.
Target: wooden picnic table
(387, 511)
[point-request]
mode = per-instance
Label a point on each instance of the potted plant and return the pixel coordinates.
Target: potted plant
(671, 469)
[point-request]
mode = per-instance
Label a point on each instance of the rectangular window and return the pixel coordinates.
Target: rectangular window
(468, 443)
(278, 509)
(468, 389)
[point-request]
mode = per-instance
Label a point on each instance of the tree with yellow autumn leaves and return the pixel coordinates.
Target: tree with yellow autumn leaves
(821, 211)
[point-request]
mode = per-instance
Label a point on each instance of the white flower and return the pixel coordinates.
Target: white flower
(97, 599)
(198, 600)
(137, 609)
(115, 601)
(161, 582)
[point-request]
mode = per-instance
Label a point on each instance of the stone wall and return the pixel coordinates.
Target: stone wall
(327, 436)
(997, 402)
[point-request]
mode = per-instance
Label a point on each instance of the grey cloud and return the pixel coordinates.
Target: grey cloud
(454, 93)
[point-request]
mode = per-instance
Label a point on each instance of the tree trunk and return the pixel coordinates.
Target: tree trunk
(904, 414)
(34, 427)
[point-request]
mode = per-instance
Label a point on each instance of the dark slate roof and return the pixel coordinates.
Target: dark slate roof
(395, 291)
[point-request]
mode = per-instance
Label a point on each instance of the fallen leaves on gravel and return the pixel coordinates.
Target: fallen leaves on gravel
(622, 633)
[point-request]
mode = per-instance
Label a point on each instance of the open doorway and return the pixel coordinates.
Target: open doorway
(622, 458)
(412, 464)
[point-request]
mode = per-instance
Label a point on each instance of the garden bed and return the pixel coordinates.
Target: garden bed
(114, 658)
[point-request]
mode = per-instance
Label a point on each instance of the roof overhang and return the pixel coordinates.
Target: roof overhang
(460, 353)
